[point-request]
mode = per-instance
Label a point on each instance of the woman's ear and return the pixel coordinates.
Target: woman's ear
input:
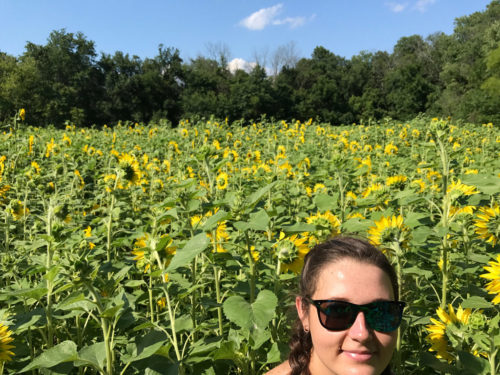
(302, 312)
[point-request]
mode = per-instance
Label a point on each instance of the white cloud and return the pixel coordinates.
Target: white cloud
(240, 64)
(263, 17)
(422, 5)
(397, 7)
(269, 16)
(293, 21)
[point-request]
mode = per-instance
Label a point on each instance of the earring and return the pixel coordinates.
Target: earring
(306, 330)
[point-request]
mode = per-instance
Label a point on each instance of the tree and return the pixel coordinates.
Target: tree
(409, 82)
(69, 81)
(284, 56)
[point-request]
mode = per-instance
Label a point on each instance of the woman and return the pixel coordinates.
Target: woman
(348, 312)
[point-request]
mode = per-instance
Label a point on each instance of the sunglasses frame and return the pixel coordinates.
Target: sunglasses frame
(366, 308)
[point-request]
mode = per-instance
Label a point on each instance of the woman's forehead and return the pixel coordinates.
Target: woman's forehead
(355, 281)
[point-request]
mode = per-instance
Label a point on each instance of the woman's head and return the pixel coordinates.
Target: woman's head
(354, 273)
(339, 248)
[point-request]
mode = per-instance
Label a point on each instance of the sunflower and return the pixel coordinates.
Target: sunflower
(493, 287)
(320, 188)
(221, 236)
(329, 226)
(130, 167)
(390, 149)
(18, 210)
(87, 232)
(5, 340)
(396, 181)
(488, 224)
(3, 192)
(222, 181)
(291, 252)
(456, 188)
(437, 330)
(389, 232)
(139, 252)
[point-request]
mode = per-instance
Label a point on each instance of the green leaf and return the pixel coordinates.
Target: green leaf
(52, 273)
(429, 360)
(120, 275)
(112, 311)
(298, 228)
(264, 308)
(476, 365)
(325, 202)
(476, 302)
(258, 337)
(134, 283)
(227, 350)
(273, 355)
(418, 271)
(212, 221)
(242, 226)
(259, 220)
(183, 323)
(164, 241)
(29, 319)
(486, 183)
(238, 311)
(64, 352)
(407, 197)
(94, 355)
(355, 225)
(415, 219)
(35, 293)
(147, 345)
(255, 197)
(192, 248)
(256, 315)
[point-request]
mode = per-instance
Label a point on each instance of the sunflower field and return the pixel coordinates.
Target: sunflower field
(147, 249)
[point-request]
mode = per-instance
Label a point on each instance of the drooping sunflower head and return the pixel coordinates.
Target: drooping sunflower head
(221, 236)
(18, 210)
(437, 336)
(5, 346)
(130, 167)
(222, 180)
(291, 252)
(397, 182)
(139, 253)
(328, 226)
(487, 224)
(389, 232)
(493, 287)
(456, 190)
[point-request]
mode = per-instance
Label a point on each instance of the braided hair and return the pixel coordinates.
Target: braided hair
(322, 254)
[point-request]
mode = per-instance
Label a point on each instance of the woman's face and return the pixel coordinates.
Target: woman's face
(359, 349)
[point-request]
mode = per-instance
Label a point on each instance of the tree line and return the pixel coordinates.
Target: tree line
(441, 75)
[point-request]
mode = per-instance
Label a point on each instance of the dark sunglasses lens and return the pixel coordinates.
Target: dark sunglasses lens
(384, 316)
(337, 316)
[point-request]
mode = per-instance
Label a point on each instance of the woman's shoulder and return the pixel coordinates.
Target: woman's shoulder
(283, 369)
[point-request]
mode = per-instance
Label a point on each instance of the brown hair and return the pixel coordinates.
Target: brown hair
(320, 255)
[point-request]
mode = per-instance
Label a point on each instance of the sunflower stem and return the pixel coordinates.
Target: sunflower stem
(50, 336)
(151, 305)
(252, 269)
(109, 226)
(217, 273)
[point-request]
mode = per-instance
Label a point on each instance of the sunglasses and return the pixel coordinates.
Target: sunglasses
(382, 316)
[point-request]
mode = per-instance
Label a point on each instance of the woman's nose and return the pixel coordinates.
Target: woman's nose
(360, 330)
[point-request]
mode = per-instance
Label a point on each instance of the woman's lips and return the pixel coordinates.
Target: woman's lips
(358, 355)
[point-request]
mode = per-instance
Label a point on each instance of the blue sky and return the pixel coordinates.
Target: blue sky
(246, 28)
